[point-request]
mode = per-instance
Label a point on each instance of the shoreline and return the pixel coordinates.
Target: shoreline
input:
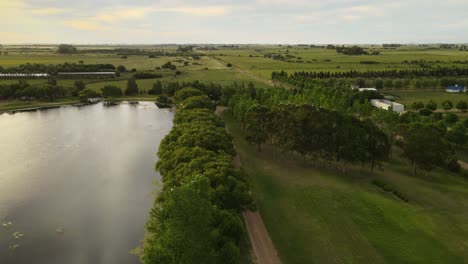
(46, 106)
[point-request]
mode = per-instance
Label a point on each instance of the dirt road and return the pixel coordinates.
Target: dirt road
(251, 75)
(263, 248)
(463, 165)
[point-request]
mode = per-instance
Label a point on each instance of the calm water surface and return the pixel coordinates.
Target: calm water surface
(77, 183)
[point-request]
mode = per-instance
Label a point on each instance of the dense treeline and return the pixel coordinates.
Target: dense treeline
(307, 129)
(339, 125)
(196, 217)
(354, 50)
(342, 79)
(402, 73)
(214, 91)
(53, 69)
(23, 90)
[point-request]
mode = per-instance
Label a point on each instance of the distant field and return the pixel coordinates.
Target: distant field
(320, 216)
(408, 97)
(249, 64)
(329, 60)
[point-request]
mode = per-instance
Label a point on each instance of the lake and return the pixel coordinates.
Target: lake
(77, 183)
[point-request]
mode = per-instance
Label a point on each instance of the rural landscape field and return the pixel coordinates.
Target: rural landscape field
(267, 133)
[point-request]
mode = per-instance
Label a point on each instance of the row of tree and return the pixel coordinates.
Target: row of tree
(309, 130)
(54, 68)
(196, 217)
(393, 73)
(340, 125)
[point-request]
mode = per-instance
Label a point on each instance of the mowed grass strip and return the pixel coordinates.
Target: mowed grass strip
(320, 216)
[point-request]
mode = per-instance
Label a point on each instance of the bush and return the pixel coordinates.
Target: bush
(417, 105)
(389, 188)
(185, 93)
(111, 90)
(146, 75)
(425, 112)
(431, 105)
(451, 118)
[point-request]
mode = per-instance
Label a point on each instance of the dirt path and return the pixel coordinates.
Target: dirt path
(265, 252)
(463, 165)
(263, 248)
(251, 75)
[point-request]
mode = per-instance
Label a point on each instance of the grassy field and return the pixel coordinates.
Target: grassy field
(314, 59)
(320, 216)
(408, 97)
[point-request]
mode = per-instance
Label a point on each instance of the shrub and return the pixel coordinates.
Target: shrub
(389, 188)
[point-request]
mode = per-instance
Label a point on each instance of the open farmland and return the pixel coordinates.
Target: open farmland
(318, 215)
(319, 59)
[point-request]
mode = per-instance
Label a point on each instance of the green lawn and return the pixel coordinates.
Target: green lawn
(408, 97)
(320, 216)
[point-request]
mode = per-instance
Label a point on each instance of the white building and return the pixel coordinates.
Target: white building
(356, 87)
(388, 105)
(24, 75)
(367, 89)
(455, 89)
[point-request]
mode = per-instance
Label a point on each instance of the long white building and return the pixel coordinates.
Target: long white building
(24, 75)
(388, 105)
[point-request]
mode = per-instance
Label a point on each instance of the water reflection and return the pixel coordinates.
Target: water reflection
(76, 182)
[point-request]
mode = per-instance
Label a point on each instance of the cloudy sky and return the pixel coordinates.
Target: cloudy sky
(233, 21)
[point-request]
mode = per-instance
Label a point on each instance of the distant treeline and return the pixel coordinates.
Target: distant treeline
(196, 217)
(54, 69)
(22, 90)
(313, 79)
(403, 73)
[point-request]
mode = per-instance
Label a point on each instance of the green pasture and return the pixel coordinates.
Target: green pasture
(318, 215)
(328, 60)
(408, 97)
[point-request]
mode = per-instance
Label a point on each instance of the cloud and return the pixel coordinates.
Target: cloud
(122, 13)
(197, 11)
(49, 11)
(86, 25)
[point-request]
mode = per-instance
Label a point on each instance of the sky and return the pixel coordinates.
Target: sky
(233, 21)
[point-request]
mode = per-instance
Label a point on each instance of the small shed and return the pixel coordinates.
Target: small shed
(455, 89)
(388, 105)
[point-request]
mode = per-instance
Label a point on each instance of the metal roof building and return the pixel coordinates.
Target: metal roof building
(24, 75)
(455, 89)
(388, 105)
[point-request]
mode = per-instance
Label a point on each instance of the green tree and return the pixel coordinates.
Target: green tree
(447, 105)
(424, 146)
(462, 106)
(451, 118)
(416, 105)
(457, 134)
(257, 124)
(157, 88)
(80, 85)
(185, 93)
(87, 93)
(195, 102)
(121, 68)
(132, 87)
(111, 91)
(180, 227)
(66, 49)
(431, 105)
